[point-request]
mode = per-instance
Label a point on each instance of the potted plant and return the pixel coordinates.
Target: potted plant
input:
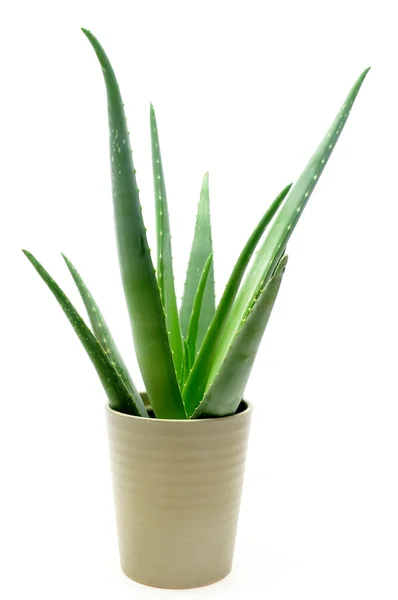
(178, 450)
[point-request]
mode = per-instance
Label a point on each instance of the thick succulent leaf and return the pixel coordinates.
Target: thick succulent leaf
(187, 362)
(284, 224)
(164, 255)
(202, 246)
(120, 397)
(226, 392)
(138, 275)
(198, 379)
(196, 311)
(103, 335)
(186, 366)
(181, 381)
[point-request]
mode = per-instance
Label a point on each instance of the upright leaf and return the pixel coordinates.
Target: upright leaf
(138, 275)
(120, 397)
(198, 379)
(186, 366)
(286, 221)
(196, 312)
(103, 335)
(226, 392)
(202, 246)
(165, 259)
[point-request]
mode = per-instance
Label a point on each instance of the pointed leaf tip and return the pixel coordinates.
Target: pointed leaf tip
(361, 79)
(215, 347)
(165, 272)
(120, 397)
(281, 267)
(144, 305)
(202, 246)
(285, 222)
(363, 75)
(104, 336)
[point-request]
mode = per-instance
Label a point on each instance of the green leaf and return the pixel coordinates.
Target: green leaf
(165, 259)
(284, 224)
(181, 381)
(187, 363)
(202, 246)
(104, 336)
(226, 392)
(199, 377)
(138, 275)
(186, 366)
(120, 397)
(196, 311)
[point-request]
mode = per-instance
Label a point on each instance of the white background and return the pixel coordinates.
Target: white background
(245, 90)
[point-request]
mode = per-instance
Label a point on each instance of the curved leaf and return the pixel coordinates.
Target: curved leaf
(103, 335)
(120, 398)
(226, 392)
(283, 226)
(138, 275)
(199, 377)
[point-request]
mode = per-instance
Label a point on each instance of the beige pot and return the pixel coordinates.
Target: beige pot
(177, 488)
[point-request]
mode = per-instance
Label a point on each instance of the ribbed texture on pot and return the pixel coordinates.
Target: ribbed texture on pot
(177, 488)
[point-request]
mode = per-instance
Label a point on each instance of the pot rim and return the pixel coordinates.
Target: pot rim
(240, 415)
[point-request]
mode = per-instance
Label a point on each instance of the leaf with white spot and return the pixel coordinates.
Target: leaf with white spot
(226, 392)
(140, 285)
(119, 396)
(165, 260)
(103, 335)
(284, 224)
(208, 353)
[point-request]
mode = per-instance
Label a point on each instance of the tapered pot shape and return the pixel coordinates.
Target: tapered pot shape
(177, 488)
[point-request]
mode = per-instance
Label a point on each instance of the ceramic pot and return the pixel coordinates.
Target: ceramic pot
(177, 488)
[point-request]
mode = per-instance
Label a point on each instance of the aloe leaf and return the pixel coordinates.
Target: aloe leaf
(120, 397)
(187, 363)
(198, 379)
(165, 259)
(202, 246)
(226, 392)
(103, 335)
(181, 381)
(196, 311)
(286, 221)
(138, 275)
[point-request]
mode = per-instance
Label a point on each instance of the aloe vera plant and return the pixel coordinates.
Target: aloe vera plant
(195, 361)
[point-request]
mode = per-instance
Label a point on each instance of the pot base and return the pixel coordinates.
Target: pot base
(181, 583)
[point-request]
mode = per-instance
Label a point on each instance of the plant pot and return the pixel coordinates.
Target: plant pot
(177, 488)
